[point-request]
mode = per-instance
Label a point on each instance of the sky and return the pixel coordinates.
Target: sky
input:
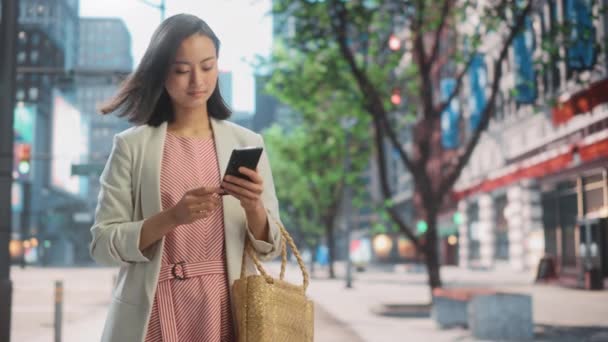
(244, 28)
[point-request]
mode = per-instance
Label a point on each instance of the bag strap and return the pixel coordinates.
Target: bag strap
(285, 237)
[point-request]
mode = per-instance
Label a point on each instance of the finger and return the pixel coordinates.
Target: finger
(206, 204)
(251, 186)
(212, 198)
(253, 175)
(199, 216)
(202, 191)
(199, 208)
(248, 191)
(238, 191)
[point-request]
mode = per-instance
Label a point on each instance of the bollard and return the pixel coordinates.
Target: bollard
(58, 309)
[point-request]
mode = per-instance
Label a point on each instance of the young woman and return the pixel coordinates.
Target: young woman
(166, 214)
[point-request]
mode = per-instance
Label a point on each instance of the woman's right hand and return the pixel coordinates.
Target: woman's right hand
(195, 205)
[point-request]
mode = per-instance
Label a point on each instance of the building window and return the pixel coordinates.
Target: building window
(478, 82)
(501, 229)
(593, 199)
(34, 56)
(33, 94)
(568, 212)
(525, 75)
(550, 223)
(20, 95)
(31, 10)
(450, 118)
(35, 39)
(581, 51)
(21, 57)
(40, 10)
(593, 193)
(473, 231)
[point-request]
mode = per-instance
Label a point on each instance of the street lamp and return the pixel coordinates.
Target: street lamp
(161, 7)
(347, 124)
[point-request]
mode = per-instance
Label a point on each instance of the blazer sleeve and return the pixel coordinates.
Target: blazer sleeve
(267, 250)
(115, 237)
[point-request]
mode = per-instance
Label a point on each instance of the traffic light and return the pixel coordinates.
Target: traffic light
(458, 218)
(394, 43)
(396, 97)
(422, 226)
(24, 156)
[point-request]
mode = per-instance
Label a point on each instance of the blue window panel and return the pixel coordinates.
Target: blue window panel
(450, 117)
(478, 80)
(581, 51)
(525, 77)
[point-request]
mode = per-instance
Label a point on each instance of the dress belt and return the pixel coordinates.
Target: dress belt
(180, 271)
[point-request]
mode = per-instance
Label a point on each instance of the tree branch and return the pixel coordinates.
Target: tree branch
(423, 64)
(443, 20)
(464, 157)
(373, 103)
(381, 159)
(395, 142)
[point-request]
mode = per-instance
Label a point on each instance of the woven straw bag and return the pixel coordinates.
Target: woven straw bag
(269, 309)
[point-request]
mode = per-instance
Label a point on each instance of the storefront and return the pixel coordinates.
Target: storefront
(575, 211)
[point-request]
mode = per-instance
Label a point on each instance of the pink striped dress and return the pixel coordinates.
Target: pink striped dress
(192, 301)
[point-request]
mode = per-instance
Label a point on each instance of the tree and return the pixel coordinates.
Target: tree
(309, 159)
(440, 42)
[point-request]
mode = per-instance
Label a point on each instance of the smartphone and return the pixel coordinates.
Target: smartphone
(247, 157)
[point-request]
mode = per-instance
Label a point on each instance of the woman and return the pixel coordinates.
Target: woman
(161, 214)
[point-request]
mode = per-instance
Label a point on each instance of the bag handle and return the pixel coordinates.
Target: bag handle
(285, 237)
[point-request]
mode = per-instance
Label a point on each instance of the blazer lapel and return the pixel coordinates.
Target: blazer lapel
(234, 216)
(150, 173)
(224, 143)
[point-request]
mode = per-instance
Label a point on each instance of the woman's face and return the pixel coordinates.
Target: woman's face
(193, 73)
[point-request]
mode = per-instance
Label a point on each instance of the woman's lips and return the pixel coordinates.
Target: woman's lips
(198, 93)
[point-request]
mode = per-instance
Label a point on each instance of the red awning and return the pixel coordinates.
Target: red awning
(581, 102)
(594, 151)
(587, 153)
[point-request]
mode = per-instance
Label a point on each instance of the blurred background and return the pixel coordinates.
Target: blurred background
(442, 167)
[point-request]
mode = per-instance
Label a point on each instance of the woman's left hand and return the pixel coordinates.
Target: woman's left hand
(249, 193)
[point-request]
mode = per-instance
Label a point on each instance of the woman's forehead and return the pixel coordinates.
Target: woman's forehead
(196, 48)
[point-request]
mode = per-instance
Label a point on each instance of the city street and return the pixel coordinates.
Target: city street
(466, 133)
(560, 314)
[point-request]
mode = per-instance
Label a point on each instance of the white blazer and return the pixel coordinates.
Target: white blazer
(130, 193)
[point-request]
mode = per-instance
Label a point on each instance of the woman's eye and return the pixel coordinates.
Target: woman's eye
(181, 71)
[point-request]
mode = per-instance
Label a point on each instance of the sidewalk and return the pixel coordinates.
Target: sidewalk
(560, 314)
(87, 294)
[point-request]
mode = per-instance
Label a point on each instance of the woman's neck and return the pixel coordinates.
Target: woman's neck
(191, 123)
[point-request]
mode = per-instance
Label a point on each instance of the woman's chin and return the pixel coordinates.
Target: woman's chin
(193, 104)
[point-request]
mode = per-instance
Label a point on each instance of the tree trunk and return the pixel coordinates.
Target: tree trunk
(331, 245)
(431, 251)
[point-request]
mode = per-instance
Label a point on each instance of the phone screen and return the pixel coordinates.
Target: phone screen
(243, 157)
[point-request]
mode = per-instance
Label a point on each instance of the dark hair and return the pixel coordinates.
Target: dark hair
(142, 97)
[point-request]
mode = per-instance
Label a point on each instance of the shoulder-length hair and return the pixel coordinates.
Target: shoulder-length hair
(142, 97)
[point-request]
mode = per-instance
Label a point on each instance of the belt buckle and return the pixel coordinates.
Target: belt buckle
(181, 276)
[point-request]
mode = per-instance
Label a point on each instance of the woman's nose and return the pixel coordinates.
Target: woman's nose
(197, 78)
